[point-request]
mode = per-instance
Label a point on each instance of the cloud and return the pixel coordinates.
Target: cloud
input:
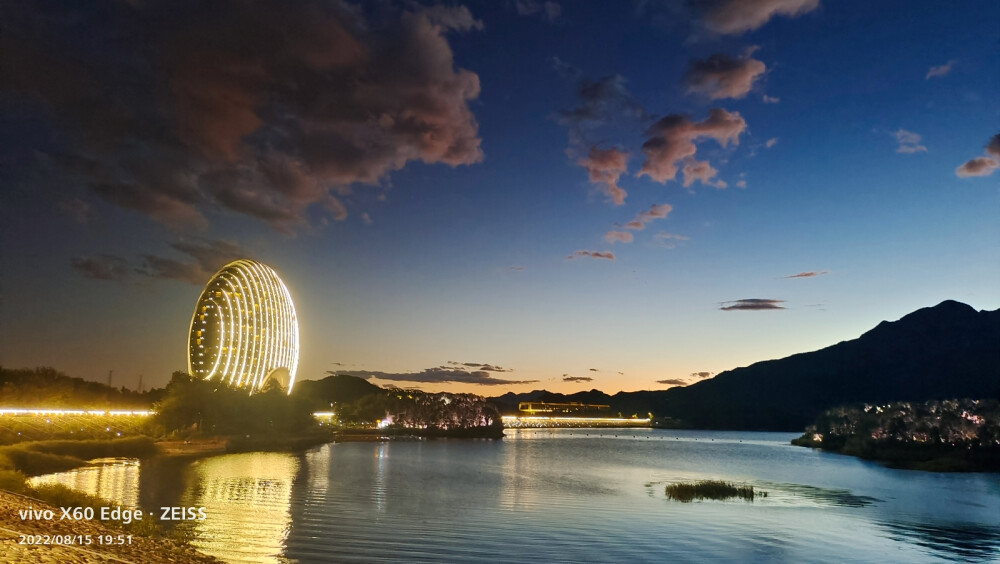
(993, 147)
(618, 236)
(734, 17)
(594, 370)
(940, 71)
(102, 267)
(702, 172)
(770, 99)
(673, 382)
(741, 183)
(669, 240)
(592, 254)
(979, 166)
(602, 102)
(438, 375)
(721, 76)
(982, 166)
(655, 211)
(808, 274)
(197, 108)
(909, 142)
(366, 218)
(701, 374)
(208, 257)
(751, 304)
(771, 142)
(605, 167)
(671, 140)
(567, 378)
(492, 368)
(516, 268)
(548, 10)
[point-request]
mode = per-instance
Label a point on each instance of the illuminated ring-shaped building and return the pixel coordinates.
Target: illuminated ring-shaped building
(244, 331)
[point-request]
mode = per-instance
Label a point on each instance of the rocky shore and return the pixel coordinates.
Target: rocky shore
(140, 550)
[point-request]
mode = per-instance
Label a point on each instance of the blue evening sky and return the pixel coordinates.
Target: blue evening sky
(864, 161)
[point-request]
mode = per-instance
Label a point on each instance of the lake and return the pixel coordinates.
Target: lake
(562, 495)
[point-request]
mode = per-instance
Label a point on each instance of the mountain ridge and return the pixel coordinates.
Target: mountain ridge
(944, 351)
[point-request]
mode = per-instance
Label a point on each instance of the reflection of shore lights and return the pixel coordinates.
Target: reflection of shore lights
(244, 330)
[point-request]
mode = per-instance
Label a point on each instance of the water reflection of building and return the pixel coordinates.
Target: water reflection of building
(117, 481)
(247, 499)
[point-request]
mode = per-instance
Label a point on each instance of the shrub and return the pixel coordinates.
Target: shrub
(709, 489)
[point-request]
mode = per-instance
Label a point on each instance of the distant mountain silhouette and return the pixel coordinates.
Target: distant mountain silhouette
(339, 388)
(946, 351)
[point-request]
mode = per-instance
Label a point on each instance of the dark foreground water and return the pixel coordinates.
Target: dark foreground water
(564, 495)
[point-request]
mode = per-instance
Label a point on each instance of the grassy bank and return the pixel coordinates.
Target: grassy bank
(44, 457)
(711, 489)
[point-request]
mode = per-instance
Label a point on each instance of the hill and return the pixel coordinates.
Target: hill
(946, 351)
(338, 389)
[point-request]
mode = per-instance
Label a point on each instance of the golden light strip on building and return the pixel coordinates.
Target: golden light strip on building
(48, 412)
(244, 330)
(541, 421)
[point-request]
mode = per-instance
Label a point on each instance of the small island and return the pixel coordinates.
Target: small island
(956, 435)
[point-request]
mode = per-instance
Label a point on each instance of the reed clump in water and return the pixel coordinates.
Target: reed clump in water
(710, 489)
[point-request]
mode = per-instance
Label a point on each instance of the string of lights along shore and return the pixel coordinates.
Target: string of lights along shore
(244, 330)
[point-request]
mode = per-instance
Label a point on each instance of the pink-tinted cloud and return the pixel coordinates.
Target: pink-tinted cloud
(733, 17)
(607, 255)
(770, 99)
(721, 76)
(672, 140)
(808, 274)
(702, 172)
(982, 166)
(909, 142)
(618, 237)
(771, 142)
(216, 106)
(605, 167)
(940, 71)
(993, 147)
(752, 304)
(655, 211)
(979, 166)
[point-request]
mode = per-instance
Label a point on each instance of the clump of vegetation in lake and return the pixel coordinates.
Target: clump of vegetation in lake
(711, 489)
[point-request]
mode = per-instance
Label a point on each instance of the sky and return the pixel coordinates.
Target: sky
(495, 196)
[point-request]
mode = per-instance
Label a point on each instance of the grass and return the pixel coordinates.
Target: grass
(710, 489)
(45, 457)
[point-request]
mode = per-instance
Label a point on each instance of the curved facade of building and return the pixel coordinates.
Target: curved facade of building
(244, 330)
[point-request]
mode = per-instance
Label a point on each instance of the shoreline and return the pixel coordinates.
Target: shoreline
(139, 548)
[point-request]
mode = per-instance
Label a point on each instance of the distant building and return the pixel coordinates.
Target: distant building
(244, 331)
(547, 408)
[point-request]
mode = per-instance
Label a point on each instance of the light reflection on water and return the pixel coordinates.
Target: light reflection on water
(116, 480)
(578, 495)
(247, 498)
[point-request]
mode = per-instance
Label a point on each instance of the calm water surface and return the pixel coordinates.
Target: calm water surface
(564, 495)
